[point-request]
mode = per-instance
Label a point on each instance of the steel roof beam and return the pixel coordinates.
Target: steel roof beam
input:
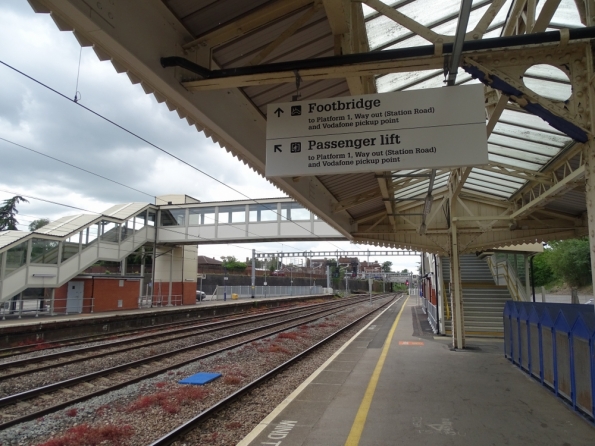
(399, 60)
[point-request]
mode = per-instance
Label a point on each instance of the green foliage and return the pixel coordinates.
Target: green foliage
(571, 261)
(39, 223)
(8, 212)
(542, 272)
(386, 266)
(232, 264)
(405, 271)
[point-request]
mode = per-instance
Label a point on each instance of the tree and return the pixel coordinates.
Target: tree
(39, 223)
(542, 272)
(230, 263)
(405, 271)
(386, 266)
(8, 212)
(571, 261)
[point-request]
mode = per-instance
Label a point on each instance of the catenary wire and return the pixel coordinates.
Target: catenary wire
(118, 183)
(150, 143)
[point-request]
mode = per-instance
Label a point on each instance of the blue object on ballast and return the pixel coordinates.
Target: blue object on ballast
(200, 378)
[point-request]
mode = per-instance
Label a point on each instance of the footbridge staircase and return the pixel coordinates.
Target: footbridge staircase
(52, 255)
(483, 297)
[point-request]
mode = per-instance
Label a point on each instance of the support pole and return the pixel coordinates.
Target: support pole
(590, 145)
(253, 274)
(328, 276)
(171, 273)
(52, 295)
(458, 335)
(527, 277)
(141, 284)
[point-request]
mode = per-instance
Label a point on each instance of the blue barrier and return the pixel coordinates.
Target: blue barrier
(555, 344)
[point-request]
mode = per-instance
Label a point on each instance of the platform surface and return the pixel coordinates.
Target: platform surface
(424, 394)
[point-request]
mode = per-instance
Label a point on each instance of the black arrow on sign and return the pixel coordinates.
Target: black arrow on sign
(277, 147)
(278, 112)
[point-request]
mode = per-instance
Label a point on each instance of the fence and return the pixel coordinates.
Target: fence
(35, 307)
(160, 301)
(555, 344)
(247, 291)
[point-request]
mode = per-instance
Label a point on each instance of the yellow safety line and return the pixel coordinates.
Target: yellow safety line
(360, 419)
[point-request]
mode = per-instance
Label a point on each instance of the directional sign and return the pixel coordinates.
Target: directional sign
(431, 128)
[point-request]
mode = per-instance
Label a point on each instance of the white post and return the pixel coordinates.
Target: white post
(171, 273)
(141, 284)
(458, 335)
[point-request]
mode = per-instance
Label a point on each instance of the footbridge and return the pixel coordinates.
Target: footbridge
(54, 254)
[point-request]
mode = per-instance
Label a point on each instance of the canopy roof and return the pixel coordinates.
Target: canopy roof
(533, 186)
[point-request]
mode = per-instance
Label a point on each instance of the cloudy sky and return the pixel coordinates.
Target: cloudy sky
(34, 117)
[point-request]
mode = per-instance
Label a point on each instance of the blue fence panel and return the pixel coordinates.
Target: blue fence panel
(583, 377)
(554, 343)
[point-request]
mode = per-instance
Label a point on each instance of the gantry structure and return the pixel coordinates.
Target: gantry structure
(218, 64)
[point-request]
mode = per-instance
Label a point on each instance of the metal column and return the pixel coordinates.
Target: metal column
(458, 334)
(590, 145)
(253, 273)
(171, 273)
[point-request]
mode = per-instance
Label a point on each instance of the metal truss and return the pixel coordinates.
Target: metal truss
(335, 254)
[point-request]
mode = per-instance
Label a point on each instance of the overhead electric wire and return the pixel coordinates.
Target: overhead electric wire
(101, 215)
(119, 183)
(152, 144)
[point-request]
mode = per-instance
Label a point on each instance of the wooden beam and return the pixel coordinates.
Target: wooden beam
(258, 18)
(363, 197)
(290, 31)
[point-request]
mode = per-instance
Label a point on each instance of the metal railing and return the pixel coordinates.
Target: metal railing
(247, 291)
(35, 307)
(432, 311)
(161, 300)
(503, 270)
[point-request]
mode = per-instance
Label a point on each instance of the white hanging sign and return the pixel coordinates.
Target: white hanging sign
(420, 129)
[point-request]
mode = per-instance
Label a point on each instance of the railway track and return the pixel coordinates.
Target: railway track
(180, 432)
(22, 367)
(40, 401)
(78, 340)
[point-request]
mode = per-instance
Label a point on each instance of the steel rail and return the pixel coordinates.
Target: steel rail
(95, 375)
(210, 327)
(14, 351)
(190, 425)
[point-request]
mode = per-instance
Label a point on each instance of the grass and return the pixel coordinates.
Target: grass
(169, 401)
(85, 435)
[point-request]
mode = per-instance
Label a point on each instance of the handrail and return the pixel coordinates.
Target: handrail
(510, 277)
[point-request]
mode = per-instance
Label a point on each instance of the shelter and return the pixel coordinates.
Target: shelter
(219, 64)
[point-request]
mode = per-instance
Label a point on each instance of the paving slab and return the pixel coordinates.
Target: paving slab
(426, 394)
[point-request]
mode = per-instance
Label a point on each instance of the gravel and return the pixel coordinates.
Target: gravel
(149, 409)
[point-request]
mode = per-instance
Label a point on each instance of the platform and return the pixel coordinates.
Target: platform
(415, 390)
